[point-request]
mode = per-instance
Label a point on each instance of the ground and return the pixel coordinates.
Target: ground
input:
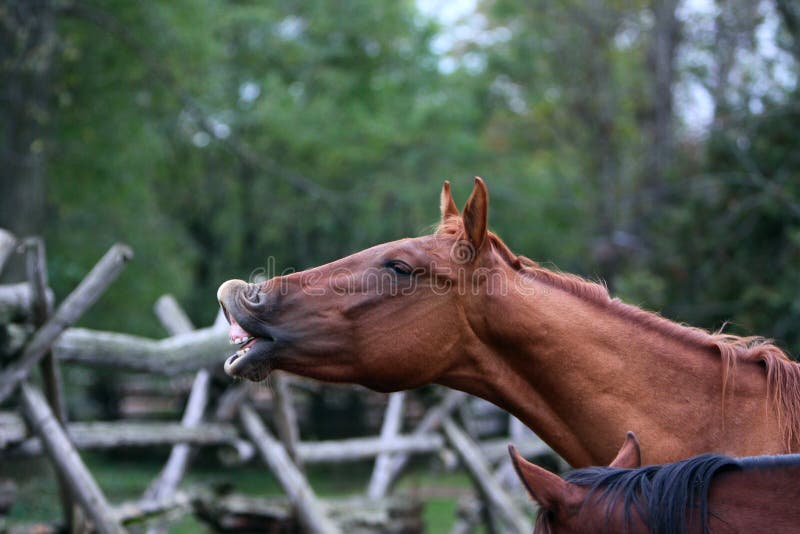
(126, 477)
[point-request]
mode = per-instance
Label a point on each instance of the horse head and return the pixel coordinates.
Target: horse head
(564, 506)
(394, 316)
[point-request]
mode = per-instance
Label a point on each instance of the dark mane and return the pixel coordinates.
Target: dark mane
(670, 498)
(783, 374)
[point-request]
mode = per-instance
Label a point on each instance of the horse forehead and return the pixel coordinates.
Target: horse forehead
(414, 247)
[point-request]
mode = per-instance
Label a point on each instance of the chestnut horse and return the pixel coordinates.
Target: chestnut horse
(458, 308)
(707, 493)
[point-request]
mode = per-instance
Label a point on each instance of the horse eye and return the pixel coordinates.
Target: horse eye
(399, 266)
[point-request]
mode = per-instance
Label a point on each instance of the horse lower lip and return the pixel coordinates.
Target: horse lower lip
(251, 350)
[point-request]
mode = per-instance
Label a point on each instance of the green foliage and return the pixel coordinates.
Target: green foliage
(740, 263)
(221, 139)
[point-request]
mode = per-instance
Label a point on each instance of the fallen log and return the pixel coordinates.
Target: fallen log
(183, 353)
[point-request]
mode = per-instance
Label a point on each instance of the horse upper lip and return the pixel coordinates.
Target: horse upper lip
(238, 300)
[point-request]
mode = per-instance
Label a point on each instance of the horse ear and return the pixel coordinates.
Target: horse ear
(476, 214)
(544, 487)
(447, 205)
(629, 455)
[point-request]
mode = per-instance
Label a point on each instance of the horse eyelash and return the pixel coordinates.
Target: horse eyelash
(399, 266)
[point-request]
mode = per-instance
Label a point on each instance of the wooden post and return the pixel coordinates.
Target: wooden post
(36, 267)
(392, 421)
(309, 510)
(16, 302)
(68, 462)
(75, 305)
(230, 401)
(7, 244)
(166, 483)
(505, 472)
(433, 418)
(285, 416)
(497, 501)
(41, 309)
(172, 316)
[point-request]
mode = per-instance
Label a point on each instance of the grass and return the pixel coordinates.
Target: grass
(126, 477)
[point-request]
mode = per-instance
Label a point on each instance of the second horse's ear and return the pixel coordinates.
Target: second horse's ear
(476, 214)
(544, 487)
(447, 205)
(629, 455)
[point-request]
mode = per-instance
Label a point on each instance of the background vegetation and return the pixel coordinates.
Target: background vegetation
(650, 143)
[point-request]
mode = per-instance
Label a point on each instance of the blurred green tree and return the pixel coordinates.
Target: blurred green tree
(236, 139)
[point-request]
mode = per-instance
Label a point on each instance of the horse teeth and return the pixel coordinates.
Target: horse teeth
(239, 340)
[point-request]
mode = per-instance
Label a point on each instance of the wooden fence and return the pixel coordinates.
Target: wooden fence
(34, 333)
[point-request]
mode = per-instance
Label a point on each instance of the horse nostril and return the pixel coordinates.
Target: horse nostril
(252, 296)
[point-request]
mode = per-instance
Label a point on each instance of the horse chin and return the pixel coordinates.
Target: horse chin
(251, 363)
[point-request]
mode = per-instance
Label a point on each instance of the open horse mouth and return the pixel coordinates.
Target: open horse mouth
(249, 361)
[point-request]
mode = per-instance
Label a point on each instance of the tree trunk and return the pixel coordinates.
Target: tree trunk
(27, 45)
(661, 60)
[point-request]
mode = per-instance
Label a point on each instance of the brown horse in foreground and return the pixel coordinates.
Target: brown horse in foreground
(458, 308)
(707, 493)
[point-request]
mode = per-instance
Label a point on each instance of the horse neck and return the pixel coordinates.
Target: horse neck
(581, 375)
(757, 498)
